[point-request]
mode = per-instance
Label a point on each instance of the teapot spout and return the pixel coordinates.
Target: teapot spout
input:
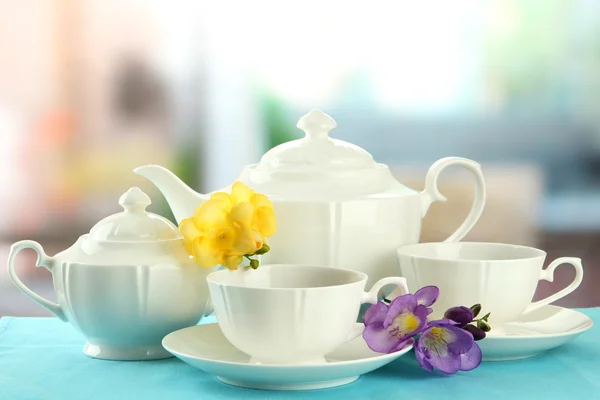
(181, 198)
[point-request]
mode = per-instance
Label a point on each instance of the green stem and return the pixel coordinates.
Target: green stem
(484, 318)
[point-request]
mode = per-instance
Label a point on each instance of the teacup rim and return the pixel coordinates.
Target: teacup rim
(539, 253)
(361, 277)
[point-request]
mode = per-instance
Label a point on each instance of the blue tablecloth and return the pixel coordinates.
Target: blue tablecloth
(41, 358)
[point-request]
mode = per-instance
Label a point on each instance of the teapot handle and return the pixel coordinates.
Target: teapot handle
(431, 193)
(42, 261)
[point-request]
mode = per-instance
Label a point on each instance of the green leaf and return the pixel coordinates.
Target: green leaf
(476, 309)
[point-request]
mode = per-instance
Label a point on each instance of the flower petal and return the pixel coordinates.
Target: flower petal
(379, 339)
(427, 295)
(459, 340)
(422, 356)
(241, 213)
(189, 246)
(421, 313)
(259, 240)
(240, 192)
(375, 313)
(402, 345)
(188, 229)
(260, 200)
(205, 254)
(448, 363)
(264, 219)
(401, 304)
(435, 344)
(209, 215)
(224, 199)
(232, 262)
(471, 359)
(442, 322)
(243, 241)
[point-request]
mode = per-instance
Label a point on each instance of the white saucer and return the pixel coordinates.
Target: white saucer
(205, 347)
(541, 330)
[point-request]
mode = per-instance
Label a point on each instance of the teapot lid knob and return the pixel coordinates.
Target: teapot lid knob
(316, 124)
(134, 200)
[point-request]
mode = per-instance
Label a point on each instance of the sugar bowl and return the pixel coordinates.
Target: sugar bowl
(124, 285)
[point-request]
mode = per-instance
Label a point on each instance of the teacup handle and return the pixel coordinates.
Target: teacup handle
(42, 261)
(371, 297)
(432, 194)
(548, 275)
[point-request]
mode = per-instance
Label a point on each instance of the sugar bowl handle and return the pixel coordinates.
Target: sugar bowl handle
(432, 194)
(42, 261)
(548, 275)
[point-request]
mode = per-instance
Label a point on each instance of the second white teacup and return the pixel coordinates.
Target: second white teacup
(291, 314)
(501, 277)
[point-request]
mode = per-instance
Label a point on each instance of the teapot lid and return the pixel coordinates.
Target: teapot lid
(316, 150)
(317, 167)
(134, 224)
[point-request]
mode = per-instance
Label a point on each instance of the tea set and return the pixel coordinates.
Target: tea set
(348, 233)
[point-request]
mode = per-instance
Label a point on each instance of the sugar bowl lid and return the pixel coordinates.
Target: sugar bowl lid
(134, 224)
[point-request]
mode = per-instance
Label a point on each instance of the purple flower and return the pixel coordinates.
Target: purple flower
(391, 328)
(447, 348)
(461, 315)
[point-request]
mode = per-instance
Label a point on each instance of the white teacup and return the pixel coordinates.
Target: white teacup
(501, 277)
(291, 314)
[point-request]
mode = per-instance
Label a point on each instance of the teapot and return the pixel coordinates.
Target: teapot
(334, 204)
(125, 285)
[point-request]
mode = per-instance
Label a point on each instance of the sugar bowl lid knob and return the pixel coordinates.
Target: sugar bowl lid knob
(134, 200)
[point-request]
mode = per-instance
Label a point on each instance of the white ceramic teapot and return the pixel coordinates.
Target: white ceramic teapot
(126, 284)
(334, 204)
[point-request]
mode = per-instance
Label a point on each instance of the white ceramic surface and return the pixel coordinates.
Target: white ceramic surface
(334, 199)
(500, 277)
(206, 348)
(544, 329)
(125, 285)
(291, 314)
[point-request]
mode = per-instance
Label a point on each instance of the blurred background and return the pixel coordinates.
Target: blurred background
(90, 89)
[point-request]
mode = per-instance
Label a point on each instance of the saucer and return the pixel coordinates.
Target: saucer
(534, 333)
(206, 348)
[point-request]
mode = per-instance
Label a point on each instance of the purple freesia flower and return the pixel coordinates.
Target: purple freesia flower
(391, 328)
(447, 348)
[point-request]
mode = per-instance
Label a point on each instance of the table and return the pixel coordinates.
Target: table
(42, 359)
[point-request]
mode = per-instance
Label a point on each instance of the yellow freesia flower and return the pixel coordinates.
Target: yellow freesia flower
(226, 228)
